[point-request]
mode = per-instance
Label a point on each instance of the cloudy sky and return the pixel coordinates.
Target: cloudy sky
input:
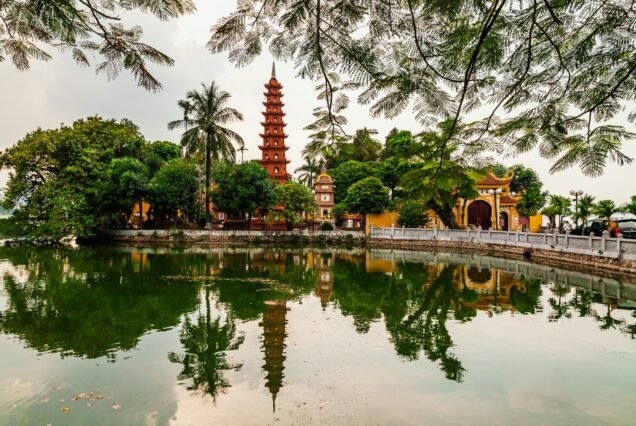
(60, 92)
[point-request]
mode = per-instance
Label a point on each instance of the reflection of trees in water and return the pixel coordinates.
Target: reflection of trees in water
(560, 309)
(583, 302)
(424, 328)
(89, 302)
(414, 312)
(528, 301)
(206, 341)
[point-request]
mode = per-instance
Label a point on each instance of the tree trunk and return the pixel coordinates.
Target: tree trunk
(249, 221)
(207, 182)
(141, 214)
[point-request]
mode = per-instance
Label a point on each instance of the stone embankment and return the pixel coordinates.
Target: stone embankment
(208, 237)
(612, 254)
(615, 255)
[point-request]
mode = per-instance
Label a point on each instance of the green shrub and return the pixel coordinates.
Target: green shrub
(412, 214)
(326, 226)
(179, 235)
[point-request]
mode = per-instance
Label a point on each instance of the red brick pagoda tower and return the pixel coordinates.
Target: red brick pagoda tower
(273, 148)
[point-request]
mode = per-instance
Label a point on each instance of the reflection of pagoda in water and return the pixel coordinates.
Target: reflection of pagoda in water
(323, 264)
(274, 321)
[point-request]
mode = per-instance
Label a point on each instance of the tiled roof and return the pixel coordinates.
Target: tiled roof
(507, 199)
(492, 180)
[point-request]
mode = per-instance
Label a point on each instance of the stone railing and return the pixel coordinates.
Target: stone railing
(606, 286)
(616, 248)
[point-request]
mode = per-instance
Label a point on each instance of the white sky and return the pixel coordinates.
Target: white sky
(60, 92)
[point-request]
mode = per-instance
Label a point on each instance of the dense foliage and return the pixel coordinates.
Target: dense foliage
(367, 196)
(56, 175)
(173, 191)
(242, 189)
(85, 28)
(546, 75)
(294, 200)
(412, 214)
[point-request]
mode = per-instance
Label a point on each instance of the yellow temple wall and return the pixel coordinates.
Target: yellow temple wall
(386, 220)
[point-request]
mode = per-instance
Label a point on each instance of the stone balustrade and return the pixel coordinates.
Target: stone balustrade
(613, 248)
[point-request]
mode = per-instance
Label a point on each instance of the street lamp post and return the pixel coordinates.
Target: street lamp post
(576, 195)
(242, 149)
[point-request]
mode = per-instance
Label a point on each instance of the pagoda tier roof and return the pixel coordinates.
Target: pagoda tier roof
(265, 124)
(507, 199)
(266, 113)
(273, 135)
(276, 95)
(492, 180)
(273, 83)
(274, 160)
(268, 103)
(273, 148)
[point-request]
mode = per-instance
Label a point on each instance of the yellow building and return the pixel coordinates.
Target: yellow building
(494, 208)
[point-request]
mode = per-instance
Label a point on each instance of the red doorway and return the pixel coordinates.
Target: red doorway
(480, 214)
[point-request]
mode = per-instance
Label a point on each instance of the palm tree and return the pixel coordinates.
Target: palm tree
(309, 170)
(605, 209)
(584, 209)
(561, 207)
(551, 213)
(205, 113)
(206, 342)
(630, 207)
(187, 109)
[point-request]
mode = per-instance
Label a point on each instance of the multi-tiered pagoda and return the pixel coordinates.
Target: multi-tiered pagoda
(273, 148)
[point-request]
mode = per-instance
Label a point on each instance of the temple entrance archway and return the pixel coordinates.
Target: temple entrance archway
(480, 214)
(503, 221)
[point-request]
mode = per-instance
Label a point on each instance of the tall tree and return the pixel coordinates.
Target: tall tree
(308, 171)
(295, 200)
(605, 209)
(584, 209)
(205, 131)
(367, 196)
(531, 202)
(84, 28)
(173, 189)
(560, 206)
(443, 177)
(156, 154)
(243, 188)
(127, 185)
(56, 175)
(630, 207)
(527, 69)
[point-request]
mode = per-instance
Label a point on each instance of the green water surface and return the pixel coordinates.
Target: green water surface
(155, 336)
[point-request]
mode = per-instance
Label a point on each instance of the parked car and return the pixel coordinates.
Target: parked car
(594, 227)
(627, 227)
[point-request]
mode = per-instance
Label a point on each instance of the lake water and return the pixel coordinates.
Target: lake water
(129, 336)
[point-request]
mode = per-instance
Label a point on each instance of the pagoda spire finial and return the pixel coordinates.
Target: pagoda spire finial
(273, 70)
